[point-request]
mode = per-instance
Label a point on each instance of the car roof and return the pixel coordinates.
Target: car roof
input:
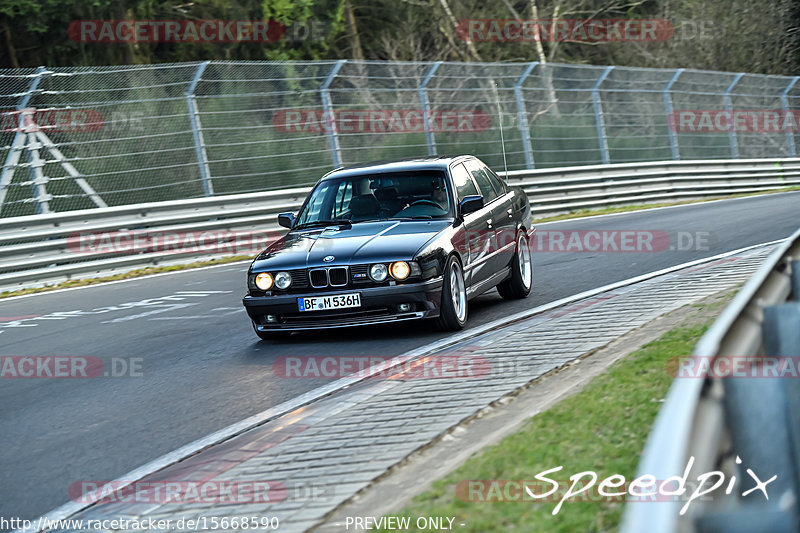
(435, 162)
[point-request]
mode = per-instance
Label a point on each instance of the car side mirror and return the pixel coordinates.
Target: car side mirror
(470, 204)
(286, 220)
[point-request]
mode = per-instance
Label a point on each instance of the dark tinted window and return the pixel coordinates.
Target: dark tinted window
(380, 196)
(482, 179)
(464, 185)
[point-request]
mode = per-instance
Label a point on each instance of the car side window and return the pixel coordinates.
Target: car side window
(498, 184)
(464, 185)
(482, 179)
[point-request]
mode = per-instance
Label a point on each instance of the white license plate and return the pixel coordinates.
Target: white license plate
(323, 303)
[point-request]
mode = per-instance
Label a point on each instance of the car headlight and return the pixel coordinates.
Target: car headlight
(400, 270)
(283, 280)
(264, 281)
(378, 272)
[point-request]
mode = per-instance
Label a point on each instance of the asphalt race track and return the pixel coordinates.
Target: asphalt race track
(198, 366)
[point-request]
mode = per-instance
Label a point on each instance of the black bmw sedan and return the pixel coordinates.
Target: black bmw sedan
(393, 241)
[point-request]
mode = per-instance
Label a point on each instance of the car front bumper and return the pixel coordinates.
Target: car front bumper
(378, 306)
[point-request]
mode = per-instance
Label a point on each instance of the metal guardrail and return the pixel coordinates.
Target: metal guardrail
(40, 249)
(715, 420)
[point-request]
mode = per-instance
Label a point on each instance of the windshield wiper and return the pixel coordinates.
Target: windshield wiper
(320, 223)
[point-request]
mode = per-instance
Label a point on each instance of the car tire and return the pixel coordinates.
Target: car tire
(519, 285)
(454, 307)
(270, 335)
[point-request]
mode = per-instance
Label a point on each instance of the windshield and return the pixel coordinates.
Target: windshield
(397, 195)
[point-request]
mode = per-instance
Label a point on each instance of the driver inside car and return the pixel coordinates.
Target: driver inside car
(439, 194)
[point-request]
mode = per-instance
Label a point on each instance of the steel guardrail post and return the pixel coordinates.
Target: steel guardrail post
(785, 106)
(522, 114)
(194, 119)
(327, 108)
(671, 122)
(729, 108)
(426, 108)
(598, 115)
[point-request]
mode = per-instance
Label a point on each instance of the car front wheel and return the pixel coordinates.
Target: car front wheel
(453, 314)
(519, 284)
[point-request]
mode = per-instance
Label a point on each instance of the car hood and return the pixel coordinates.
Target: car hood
(364, 242)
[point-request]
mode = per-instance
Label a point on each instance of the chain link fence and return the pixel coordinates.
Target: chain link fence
(75, 138)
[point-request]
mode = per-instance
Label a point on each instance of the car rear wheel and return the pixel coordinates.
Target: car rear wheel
(519, 284)
(270, 335)
(453, 313)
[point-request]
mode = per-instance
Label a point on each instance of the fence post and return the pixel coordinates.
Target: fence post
(38, 179)
(522, 115)
(598, 115)
(194, 118)
(426, 108)
(20, 138)
(327, 108)
(786, 111)
(729, 108)
(671, 124)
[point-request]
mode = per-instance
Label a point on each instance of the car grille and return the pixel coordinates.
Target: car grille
(337, 276)
(318, 277)
(328, 277)
(299, 278)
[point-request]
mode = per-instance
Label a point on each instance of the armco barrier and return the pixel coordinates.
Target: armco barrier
(36, 249)
(717, 419)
